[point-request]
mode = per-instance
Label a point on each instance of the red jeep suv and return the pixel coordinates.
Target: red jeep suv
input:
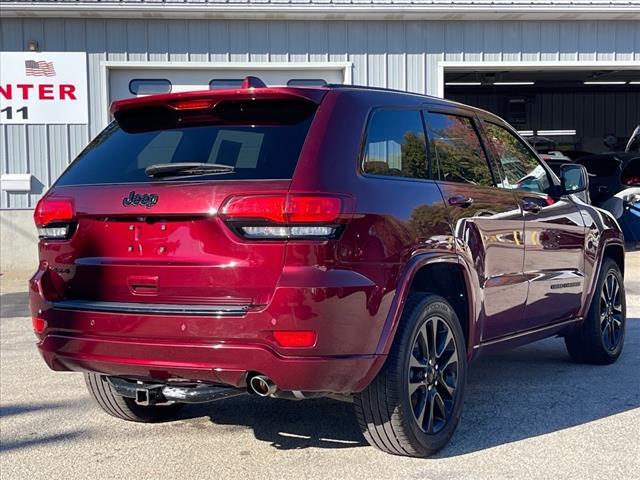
(351, 242)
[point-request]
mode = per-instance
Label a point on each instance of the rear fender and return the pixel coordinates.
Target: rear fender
(404, 286)
(611, 239)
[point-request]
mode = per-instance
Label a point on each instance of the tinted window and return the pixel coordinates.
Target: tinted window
(457, 151)
(149, 86)
(267, 151)
(521, 169)
(225, 83)
(395, 144)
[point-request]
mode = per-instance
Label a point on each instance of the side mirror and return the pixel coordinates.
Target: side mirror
(574, 178)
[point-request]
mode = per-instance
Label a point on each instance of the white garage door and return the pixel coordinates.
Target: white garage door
(124, 83)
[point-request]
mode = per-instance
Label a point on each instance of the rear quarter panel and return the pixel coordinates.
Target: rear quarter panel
(394, 220)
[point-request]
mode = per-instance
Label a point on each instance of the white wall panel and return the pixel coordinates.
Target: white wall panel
(396, 54)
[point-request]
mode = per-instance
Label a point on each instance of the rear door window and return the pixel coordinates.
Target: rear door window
(268, 149)
(456, 149)
(395, 145)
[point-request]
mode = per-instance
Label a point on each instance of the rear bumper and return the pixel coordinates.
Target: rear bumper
(220, 363)
(224, 348)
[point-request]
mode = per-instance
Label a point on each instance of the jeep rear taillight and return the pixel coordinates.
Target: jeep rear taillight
(54, 217)
(285, 216)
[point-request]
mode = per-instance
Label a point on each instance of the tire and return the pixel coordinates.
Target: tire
(600, 338)
(126, 408)
(386, 409)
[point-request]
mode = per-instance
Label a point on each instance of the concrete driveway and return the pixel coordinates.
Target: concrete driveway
(529, 413)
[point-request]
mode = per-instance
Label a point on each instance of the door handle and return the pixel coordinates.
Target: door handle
(460, 201)
(529, 206)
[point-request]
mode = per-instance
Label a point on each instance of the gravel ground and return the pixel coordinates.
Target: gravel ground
(530, 413)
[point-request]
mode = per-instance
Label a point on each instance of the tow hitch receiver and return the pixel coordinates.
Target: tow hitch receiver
(154, 393)
(149, 395)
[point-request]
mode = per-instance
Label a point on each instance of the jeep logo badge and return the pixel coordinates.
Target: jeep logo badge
(147, 199)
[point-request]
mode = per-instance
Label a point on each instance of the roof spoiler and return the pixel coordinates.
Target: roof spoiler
(252, 88)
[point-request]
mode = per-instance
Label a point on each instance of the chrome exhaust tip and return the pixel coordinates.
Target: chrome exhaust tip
(262, 386)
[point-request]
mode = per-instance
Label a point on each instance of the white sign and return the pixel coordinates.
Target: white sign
(43, 87)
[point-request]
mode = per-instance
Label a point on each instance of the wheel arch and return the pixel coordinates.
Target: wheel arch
(419, 273)
(612, 248)
(614, 251)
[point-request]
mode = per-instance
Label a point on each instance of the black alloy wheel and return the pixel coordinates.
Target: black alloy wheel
(433, 375)
(611, 314)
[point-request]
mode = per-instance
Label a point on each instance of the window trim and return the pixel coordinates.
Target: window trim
(150, 80)
(365, 135)
(471, 115)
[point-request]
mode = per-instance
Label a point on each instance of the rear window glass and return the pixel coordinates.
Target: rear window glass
(267, 151)
(395, 145)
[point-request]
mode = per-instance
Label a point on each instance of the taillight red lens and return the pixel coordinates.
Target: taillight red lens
(286, 216)
(256, 207)
(295, 338)
(38, 324)
(284, 209)
(53, 210)
(312, 209)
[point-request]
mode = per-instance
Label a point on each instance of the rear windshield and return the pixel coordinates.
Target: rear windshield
(122, 152)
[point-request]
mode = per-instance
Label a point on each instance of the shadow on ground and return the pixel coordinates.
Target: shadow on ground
(38, 441)
(522, 393)
(14, 305)
(29, 438)
(287, 424)
(13, 410)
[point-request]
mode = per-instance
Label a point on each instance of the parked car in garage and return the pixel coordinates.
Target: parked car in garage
(555, 160)
(615, 186)
(548, 147)
(358, 243)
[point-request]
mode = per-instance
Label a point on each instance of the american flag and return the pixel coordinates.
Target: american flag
(39, 69)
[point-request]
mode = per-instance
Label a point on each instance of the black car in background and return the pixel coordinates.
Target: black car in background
(614, 185)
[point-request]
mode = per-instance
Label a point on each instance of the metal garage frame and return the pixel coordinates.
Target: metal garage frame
(527, 66)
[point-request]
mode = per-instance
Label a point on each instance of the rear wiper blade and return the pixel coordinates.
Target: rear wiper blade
(186, 169)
